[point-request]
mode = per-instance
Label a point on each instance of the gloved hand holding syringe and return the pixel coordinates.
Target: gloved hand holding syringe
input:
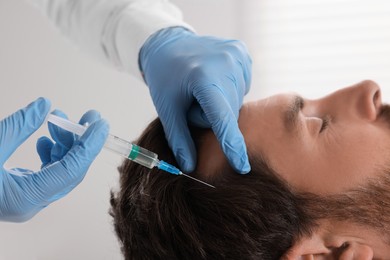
(122, 147)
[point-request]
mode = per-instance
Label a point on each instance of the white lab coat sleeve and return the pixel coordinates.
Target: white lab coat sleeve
(112, 30)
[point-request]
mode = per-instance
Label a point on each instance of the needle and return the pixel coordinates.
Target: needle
(205, 183)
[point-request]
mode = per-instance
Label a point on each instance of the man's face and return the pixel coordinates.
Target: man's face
(324, 146)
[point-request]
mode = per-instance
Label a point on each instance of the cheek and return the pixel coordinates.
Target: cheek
(336, 161)
(362, 146)
(362, 153)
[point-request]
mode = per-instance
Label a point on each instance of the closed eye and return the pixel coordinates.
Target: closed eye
(325, 123)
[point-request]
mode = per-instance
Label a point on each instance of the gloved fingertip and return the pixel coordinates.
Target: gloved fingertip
(186, 166)
(42, 141)
(186, 160)
(44, 146)
(59, 113)
(103, 126)
(236, 153)
(37, 111)
(245, 169)
(97, 130)
(240, 162)
(90, 117)
(42, 103)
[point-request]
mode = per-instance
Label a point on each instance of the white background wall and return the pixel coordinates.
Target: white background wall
(313, 47)
(35, 60)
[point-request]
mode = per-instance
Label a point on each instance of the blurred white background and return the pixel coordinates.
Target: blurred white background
(310, 47)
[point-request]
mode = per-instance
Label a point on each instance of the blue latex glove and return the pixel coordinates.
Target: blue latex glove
(200, 79)
(23, 192)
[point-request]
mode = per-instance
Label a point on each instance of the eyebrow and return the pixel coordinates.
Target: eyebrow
(292, 113)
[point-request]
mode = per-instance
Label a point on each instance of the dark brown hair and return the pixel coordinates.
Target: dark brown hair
(162, 216)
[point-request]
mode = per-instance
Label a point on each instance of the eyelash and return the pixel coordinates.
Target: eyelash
(325, 123)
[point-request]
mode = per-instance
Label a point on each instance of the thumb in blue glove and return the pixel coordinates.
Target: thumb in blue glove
(24, 192)
(202, 81)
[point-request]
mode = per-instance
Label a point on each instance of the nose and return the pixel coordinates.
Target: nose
(362, 100)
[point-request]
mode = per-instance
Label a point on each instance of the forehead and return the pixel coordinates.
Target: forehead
(262, 121)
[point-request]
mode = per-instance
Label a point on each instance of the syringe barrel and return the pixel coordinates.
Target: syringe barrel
(131, 151)
(113, 143)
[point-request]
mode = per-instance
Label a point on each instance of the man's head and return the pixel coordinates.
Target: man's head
(327, 158)
(162, 216)
(334, 151)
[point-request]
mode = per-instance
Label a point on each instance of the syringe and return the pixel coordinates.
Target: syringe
(124, 148)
